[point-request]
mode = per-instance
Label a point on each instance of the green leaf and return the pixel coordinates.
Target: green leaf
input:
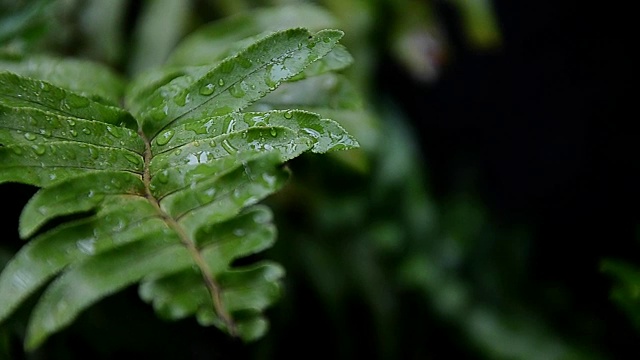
(333, 96)
(20, 19)
(162, 23)
(84, 77)
(23, 92)
(163, 194)
(236, 82)
(216, 40)
(89, 192)
(626, 289)
(120, 220)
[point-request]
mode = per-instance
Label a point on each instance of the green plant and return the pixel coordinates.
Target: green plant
(163, 190)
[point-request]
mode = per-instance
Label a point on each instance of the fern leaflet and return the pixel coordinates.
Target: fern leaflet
(165, 191)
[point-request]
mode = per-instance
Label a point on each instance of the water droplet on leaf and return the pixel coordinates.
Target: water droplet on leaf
(237, 91)
(132, 158)
(206, 196)
(39, 149)
(115, 133)
(239, 232)
(163, 176)
(269, 179)
(87, 246)
(228, 147)
(164, 138)
(207, 89)
(29, 136)
(182, 98)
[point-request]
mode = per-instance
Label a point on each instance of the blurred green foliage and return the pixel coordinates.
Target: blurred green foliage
(377, 265)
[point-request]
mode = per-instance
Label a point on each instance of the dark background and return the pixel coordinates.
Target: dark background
(544, 125)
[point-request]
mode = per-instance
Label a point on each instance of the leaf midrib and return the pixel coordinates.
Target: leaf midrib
(214, 289)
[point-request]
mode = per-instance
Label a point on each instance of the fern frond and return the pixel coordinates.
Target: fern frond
(165, 192)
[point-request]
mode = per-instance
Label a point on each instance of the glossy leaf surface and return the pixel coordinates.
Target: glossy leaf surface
(163, 193)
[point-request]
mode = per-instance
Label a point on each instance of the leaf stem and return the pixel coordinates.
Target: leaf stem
(215, 290)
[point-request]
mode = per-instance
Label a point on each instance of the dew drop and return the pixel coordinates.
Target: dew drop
(231, 126)
(269, 180)
(21, 279)
(261, 217)
(71, 122)
(206, 196)
(86, 131)
(288, 115)
(207, 89)
(221, 82)
(244, 134)
(268, 79)
(181, 99)
(228, 147)
(163, 176)
(237, 91)
(135, 160)
(315, 134)
(239, 232)
(113, 132)
(212, 143)
(237, 194)
(54, 122)
(273, 132)
(197, 128)
(158, 114)
(17, 150)
(93, 153)
(164, 138)
(87, 246)
(39, 149)
(30, 136)
(241, 198)
(73, 132)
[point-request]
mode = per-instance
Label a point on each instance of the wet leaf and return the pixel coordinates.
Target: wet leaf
(163, 193)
